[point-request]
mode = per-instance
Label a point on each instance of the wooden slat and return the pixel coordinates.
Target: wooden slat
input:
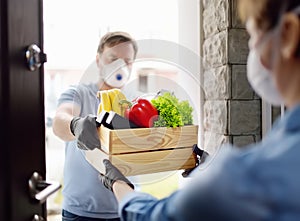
(144, 162)
(153, 162)
(95, 158)
(143, 139)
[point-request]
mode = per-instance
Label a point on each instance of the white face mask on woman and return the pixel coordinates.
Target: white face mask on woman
(259, 76)
(261, 79)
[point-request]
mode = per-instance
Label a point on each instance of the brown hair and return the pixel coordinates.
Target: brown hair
(112, 39)
(266, 13)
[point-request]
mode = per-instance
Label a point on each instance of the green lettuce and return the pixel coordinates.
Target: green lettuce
(172, 112)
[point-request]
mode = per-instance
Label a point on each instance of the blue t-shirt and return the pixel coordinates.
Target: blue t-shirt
(261, 182)
(84, 194)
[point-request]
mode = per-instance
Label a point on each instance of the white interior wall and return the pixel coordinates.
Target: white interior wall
(189, 37)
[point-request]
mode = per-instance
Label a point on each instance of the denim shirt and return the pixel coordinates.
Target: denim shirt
(260, 182)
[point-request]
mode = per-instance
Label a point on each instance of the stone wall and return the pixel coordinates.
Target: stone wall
(232, 111)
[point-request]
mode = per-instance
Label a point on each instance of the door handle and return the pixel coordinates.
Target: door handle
(40, 189)
(37, 218)
(35, 57)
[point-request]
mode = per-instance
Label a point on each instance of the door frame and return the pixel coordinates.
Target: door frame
(22, 135)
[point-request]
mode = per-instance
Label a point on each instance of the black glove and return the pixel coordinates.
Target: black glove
(200, 156)
(85, 130)
(112, 175)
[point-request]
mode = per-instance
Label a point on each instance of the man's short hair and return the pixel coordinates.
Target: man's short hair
(112, 39)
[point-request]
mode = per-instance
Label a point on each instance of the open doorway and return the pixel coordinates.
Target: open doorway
(72, 30)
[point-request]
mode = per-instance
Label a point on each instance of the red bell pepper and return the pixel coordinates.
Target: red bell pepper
(142, 113)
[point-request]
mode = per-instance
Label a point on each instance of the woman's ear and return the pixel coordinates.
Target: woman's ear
(290, 35)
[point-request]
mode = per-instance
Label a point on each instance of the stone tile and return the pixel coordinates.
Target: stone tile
(244, 117)
(242, 141)
(214, 141)
(241, 88)
(238, 46)
(215, 116)
(216, 83)
(235, 19)
(215, 17)
(215, 51)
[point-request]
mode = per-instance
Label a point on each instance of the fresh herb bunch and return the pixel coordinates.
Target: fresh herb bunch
(172, 112)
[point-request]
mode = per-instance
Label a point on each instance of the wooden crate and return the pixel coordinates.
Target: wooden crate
(146, 150)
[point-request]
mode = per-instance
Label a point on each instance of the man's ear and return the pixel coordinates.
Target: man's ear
(97, 60)
(290, 35)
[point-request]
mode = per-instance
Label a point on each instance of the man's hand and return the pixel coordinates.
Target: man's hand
(85, 130)
(112, 175)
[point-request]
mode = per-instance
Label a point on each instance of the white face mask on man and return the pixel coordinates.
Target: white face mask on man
(115, 74)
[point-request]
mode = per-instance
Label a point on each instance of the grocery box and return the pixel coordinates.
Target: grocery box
(145, 150)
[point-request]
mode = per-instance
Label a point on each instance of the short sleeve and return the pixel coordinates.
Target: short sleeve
(71, 95)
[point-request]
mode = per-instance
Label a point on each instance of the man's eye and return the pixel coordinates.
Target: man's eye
(113, 59)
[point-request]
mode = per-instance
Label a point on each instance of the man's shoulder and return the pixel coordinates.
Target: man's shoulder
(83, 88)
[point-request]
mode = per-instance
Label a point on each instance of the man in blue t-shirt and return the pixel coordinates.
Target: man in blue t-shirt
(75, 123)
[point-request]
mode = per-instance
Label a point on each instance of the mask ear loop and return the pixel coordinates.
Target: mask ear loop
(278, 29)
(275, 36)
(297, 12)
(277, 33)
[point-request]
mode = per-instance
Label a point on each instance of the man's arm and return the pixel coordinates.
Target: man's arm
(61, 122)
(68, 126)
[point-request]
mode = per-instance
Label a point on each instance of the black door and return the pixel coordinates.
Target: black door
(22, 135)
